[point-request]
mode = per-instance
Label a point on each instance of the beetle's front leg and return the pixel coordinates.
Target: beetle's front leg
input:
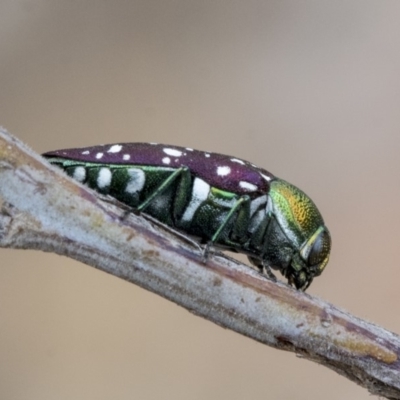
(263, 267)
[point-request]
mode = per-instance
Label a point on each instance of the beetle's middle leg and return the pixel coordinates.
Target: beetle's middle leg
(242, 209)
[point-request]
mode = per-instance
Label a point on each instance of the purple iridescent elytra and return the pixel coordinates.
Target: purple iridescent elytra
(221, 171)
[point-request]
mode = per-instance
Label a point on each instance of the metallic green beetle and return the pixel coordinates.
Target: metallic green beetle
(220, 200)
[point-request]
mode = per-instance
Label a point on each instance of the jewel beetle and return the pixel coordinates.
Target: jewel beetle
(221, 200)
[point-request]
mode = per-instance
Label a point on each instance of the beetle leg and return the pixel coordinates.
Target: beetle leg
(263, 267)
(260, 233)
(266, 270)
(206, 252)
(176, 174)
(209, 248)
(243, 200)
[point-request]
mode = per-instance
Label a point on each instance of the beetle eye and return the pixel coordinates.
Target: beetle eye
(320, 249)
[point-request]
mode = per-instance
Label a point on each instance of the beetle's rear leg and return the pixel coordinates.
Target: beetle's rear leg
(181, 174)
(206, 251)
(178, 173)
(166, 184)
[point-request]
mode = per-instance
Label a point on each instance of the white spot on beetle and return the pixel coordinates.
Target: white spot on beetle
(256, 203)
(116, 148)
(189, 149)
(267, 178)
(104, 178)
(79, 174)
(166, 160)
(200, 193)
(236, 160)
(247, 186)
(256, 220)
(223, 170)
(86, 152)
(172, 152)
(99, 155)
(207, 155)
(126, 157)
(136, 180)
(153, 144)
(270, 206)
(160, 202)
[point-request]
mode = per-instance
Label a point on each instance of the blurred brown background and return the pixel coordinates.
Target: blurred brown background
(310, 90)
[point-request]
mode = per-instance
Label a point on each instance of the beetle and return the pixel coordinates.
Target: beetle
(220, 200)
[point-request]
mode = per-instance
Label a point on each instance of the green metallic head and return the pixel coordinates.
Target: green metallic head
(300, 243)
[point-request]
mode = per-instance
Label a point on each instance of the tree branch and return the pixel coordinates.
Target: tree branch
(41, 208)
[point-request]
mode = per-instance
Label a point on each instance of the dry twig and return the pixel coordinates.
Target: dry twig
(41, 208)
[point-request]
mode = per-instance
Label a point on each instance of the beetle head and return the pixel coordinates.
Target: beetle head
(300, 243)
